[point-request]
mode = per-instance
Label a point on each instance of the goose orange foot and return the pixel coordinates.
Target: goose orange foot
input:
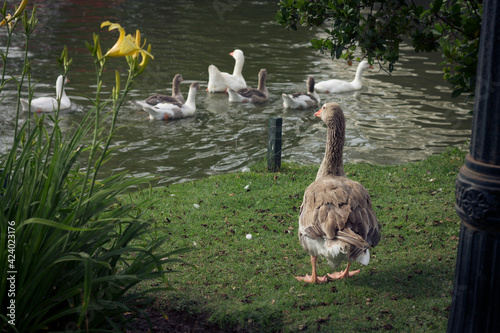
(312, 279)
(344, 274)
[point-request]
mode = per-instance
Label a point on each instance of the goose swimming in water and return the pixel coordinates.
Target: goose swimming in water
(50, 104)
(251, 95)
(339, 86)
(176, 93)
(302, 100)
(220, 81)
(175, 110)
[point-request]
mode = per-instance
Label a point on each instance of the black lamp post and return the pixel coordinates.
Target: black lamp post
(476, 294)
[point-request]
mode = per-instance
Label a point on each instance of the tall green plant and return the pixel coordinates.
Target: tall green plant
(70, 252)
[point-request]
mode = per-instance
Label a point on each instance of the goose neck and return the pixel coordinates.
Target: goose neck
(262, 83)
(238, 66)
(191, 99)
(359, 74)
(60, 91)
(310, 86)
(332, 163)
(175, 88)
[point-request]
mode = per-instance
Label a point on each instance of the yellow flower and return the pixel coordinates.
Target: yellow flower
(9, 18)
(126, 44)
(138, 41)
(144, 54)
(145, 57)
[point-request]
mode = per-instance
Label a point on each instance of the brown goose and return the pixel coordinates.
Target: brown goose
(251, 95)
(176, 94)
(336, 218)
(168, 111)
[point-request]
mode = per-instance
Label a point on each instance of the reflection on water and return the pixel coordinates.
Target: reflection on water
(393, 119)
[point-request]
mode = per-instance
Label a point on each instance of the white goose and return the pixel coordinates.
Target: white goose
(336, 218)
(175, 110)
(219, 81)
(49, 104)
(251, 95)
(338, 86)
(176, 93)
(302, 100)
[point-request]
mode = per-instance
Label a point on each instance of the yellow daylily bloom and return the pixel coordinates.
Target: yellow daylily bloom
(145, 57)
(144, 54)
(125, 45)
(9, 18)
(138, 40)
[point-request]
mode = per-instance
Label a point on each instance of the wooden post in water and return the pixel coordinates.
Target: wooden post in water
(475, 305)
(274, 144)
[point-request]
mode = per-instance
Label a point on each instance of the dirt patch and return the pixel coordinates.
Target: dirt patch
(176, 322)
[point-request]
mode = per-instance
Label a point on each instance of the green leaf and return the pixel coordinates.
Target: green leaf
(53, 224)
(457, 92)
(436, 6)
(317, 43)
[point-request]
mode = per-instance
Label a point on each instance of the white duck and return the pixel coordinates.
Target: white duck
(176, 93)
(302, 100)
(251, 95)
(219, 81)
(338, 86)
(49, 104)
(175, 110)
(336, 218)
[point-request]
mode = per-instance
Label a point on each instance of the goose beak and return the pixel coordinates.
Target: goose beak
(231, 54)
(318, 113)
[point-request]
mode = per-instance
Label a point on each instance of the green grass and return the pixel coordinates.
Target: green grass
(249, 284)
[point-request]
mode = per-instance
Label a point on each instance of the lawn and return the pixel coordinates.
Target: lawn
(247, 284)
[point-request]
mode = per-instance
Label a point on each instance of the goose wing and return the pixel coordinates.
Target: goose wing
(339, 208)
(157, 99)
(250, 92)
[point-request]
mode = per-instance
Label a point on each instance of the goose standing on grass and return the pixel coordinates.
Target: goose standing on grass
(336, 217)
(175, 110)
(338, 86)
(251, 95)
(302, 100)
(219, 81)
(176, 93)
(49, 104)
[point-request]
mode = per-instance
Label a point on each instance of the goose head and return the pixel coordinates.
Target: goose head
(178, 78)
(195, 85)
(332, 116)
(237, 54)
(364, 65)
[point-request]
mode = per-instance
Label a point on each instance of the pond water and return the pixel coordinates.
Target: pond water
(394, 118)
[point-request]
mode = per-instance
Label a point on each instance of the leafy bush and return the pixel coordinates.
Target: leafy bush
(378, 28)
(71, 254)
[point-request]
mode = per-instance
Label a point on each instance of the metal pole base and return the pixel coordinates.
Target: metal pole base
(475, 305)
